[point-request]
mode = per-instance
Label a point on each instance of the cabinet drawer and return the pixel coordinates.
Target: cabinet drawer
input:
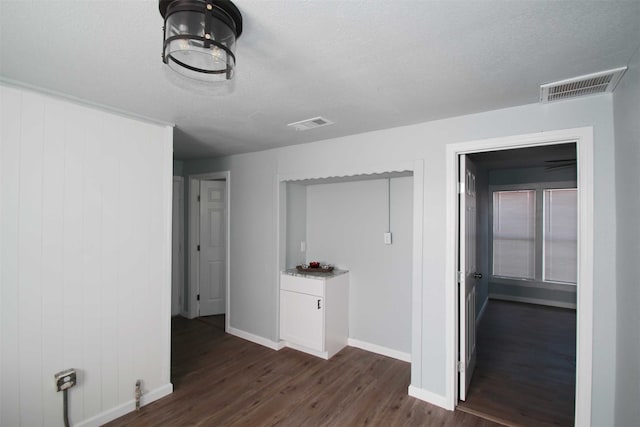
(302, 285)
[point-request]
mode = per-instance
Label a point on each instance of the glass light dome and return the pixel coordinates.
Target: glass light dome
(200, 38)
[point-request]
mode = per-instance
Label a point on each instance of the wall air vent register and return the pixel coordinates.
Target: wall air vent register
(589, 84)
(312, 123)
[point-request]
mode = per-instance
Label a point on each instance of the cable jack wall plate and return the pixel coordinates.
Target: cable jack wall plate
(65, 379)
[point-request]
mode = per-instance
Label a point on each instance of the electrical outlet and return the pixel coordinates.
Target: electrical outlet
(303, 246)
(387, 238)
(65, 379)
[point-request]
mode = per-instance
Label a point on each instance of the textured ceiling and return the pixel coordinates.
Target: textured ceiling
(365, 65)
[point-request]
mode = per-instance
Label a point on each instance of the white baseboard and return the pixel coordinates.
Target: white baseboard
(378, 349)
(482, 310)
(429, 397)
(533, 301)
(125, 408)
(255, 338)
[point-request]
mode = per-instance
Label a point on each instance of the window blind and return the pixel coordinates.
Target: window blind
(514, 222)
(560, 240)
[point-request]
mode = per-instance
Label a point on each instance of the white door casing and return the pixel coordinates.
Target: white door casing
(177, 255)
(212, 257)
(467, 268)
(584, 139)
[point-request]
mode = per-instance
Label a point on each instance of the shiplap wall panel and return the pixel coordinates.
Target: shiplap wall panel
(109, 276)
(85, 251)
(73, 322)
(30, 261)
(91, 240)
(52, 253)
(129, 263)
(10, 125)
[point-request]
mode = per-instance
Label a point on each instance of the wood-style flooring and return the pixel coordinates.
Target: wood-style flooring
(526, 365)
(221, 380)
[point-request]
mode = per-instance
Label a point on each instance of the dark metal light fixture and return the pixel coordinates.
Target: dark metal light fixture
(200, 38)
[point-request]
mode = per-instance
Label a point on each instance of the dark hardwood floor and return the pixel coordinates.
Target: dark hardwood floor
(525, 371)
(221, 380)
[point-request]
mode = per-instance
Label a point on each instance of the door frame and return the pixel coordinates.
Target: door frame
(583, 137)
(194, 234)
(179, 223)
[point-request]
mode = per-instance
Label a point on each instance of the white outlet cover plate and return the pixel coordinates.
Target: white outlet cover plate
(387, 238)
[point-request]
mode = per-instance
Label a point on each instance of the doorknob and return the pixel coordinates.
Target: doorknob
(477, 275)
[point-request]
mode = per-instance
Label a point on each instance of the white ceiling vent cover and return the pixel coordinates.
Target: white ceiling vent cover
(589, 84)
(313, 123)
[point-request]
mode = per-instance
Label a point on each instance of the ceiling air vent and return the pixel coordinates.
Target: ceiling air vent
(313, 123)
(590, 84)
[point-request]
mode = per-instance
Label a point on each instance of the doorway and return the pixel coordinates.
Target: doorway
(583, 138)
(208, 246)
(522, 260)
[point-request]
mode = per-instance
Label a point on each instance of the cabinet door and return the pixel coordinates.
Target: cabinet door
(302, 319)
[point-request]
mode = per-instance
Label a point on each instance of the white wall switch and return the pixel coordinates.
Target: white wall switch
(387, 238)
(303, 246)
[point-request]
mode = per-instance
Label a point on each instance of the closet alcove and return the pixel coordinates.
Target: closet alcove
(342, 221)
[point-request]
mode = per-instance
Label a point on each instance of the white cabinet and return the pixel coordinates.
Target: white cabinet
(314, 312)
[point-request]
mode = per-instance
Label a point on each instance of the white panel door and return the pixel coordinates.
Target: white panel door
(212, 265)
(302, 319)
(467, 267)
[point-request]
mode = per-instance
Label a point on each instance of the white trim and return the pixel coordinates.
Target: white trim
(85, 103)
(181, 236)
(406, 166)
(482, 311)
(429, 397)
(584, 298)
(165, 286)
(194, 229)
(538, 301)
(127, 407)
(256, 339)
(378, 349)
(416, 283)
(584, 346)
(281, 236)
(193, 213)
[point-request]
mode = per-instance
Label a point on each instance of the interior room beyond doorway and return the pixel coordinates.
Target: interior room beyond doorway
(526, 321)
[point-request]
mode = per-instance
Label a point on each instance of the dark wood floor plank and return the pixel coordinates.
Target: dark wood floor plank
(525, 371)
(221, 380)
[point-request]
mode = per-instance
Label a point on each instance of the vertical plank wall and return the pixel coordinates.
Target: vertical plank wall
(85, 248)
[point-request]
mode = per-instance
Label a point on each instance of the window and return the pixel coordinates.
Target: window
(534, 234)
(560, 235)
(514, 233)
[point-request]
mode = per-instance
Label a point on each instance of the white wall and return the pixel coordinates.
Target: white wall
(345, 226)
(626, 106)
(253, 228)
(85, 242)
(296, 224)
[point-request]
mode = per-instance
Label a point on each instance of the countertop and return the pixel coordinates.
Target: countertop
(311, 275)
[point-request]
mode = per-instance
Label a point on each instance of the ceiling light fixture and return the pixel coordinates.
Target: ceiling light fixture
(200, 38)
